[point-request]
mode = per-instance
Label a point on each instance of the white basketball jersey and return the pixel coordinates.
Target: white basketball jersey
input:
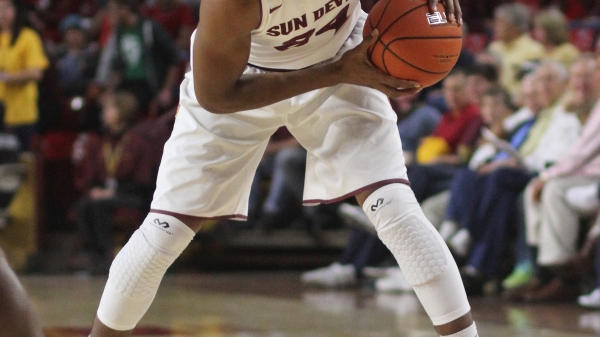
(295, 34)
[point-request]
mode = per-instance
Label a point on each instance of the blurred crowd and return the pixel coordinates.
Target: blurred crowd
(503, 154)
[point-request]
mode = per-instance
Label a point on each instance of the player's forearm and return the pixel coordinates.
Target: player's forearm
(254, 91)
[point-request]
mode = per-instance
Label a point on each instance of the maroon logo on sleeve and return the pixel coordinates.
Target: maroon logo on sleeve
(271, 10)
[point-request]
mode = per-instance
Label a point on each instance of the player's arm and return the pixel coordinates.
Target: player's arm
(222, 49)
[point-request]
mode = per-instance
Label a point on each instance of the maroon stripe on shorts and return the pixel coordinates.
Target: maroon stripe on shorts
(271, 69)
(183, 217)
(362, 189)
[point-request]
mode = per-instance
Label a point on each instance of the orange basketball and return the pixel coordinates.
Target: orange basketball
(413, 44)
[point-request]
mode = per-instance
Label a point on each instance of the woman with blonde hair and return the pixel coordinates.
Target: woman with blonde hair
(550, 27)
(22, 63)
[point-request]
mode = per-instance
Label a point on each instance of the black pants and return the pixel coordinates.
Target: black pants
(94, 223)
(364, 249)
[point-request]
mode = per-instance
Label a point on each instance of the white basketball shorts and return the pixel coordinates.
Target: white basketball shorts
(208, 163)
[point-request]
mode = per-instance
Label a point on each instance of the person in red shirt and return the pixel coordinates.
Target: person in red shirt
(113, 169)
(449, 147)
(176, 18)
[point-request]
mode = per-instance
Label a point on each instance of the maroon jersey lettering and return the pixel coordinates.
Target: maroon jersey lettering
(337, 22)
(273, 31)
(298, 41)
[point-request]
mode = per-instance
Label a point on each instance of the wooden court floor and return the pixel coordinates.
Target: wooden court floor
(275, 304)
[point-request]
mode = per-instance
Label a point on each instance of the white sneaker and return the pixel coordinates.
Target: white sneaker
(355, 217)
(447, 229)
(591, 300)
(461, 242)
(394, 281)
(584, 198)
(333, 276)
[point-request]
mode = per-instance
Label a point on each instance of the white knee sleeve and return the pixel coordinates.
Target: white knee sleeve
(420, 251)
(138, 269)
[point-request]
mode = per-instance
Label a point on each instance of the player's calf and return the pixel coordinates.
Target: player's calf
(139, 267)
(423, 256)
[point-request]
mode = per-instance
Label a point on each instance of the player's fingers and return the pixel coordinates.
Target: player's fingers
(395, 93)
(398, 83)
(450, 11)
(406, 92)
(388, 91)
(433, 5)
(458, 12)
(369, 40)
(406, 84)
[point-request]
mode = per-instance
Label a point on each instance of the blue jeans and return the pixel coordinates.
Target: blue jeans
(486, 205)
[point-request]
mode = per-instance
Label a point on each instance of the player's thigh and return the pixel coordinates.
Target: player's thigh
(209, 162)
(352, 142)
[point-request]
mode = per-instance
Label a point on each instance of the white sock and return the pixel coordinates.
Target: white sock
(471, 331)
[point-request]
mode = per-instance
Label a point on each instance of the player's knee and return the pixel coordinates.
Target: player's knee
(406, 232)
(420, 251)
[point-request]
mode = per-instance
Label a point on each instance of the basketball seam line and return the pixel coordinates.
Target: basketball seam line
(383, 12)
(410, 64)
(388, 28)
(395, 21)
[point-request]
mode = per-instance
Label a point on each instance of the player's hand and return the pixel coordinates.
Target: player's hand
(537, 188)
(355, 68)
(164, 97)
(453, 11)
(486, 169)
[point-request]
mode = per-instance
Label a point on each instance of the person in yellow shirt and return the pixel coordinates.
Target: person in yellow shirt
(550, 28)
(513, 43)
(22, 63)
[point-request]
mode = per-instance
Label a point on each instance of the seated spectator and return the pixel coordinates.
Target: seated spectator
(483, 203)
(76, 59)
(140, 57)
(434, 207)
(46, 16)
(553, 226)
(513, 43)
(22, 65)
(113, 169)
(415, 122)
(551, 29)
(176, 18)
(440, 155)
(480, 78)
(586, 200)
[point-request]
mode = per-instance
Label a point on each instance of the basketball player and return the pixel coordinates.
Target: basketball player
(258, 65)
(17, 317)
